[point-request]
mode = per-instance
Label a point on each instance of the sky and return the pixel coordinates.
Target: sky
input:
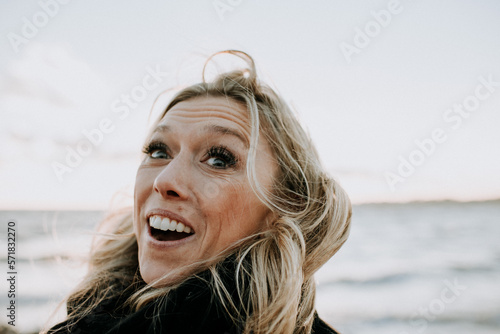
(401, 98)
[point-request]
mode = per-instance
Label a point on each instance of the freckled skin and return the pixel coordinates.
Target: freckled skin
(217, 202)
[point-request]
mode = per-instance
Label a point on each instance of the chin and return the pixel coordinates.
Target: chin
(159, 278)
(160, 275)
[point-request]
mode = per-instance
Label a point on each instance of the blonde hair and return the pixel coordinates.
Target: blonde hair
(274, 275)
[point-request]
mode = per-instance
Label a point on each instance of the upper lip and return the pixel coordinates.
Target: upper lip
(170, 215)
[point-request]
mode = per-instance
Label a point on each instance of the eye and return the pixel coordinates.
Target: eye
(221, 158)
(156, 150)
(216, 162)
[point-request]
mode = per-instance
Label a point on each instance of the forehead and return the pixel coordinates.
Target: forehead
(214, 110)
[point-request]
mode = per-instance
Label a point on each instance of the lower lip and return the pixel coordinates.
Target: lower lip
(167, 244)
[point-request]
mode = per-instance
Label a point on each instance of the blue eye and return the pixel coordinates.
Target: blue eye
(216, 162)
(220, 157)
(157, 154)
(156, 150)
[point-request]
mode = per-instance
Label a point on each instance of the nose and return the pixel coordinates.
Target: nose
(172, 180)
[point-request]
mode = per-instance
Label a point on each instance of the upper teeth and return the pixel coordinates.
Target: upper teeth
(165, 224)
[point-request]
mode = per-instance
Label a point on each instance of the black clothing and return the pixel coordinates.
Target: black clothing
(190, 309)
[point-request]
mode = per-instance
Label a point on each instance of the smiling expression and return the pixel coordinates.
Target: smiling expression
(192, 186)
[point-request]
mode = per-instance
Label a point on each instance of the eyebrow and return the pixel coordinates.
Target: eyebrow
(212, 128)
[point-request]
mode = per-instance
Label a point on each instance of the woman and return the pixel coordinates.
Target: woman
(233, 214)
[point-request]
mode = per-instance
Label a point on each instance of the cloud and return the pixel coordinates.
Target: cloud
(49, 93)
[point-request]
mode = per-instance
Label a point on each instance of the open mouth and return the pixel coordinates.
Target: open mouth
(165, 229)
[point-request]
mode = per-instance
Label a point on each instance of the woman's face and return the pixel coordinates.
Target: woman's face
(192, 195)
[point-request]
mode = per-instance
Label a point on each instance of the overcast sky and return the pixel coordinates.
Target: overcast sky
(402, 98)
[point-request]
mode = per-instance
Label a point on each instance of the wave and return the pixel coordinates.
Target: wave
(487, 319)
(384, 279)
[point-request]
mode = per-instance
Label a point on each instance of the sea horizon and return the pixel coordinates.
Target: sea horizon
(360, 203)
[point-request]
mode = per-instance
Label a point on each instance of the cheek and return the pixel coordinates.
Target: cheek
(144, 180)
(232, 215)
(142, 189)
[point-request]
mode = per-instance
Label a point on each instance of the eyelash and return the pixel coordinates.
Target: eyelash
(219, 151)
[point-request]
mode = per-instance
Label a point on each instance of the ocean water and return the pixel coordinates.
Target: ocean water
(406, 268)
